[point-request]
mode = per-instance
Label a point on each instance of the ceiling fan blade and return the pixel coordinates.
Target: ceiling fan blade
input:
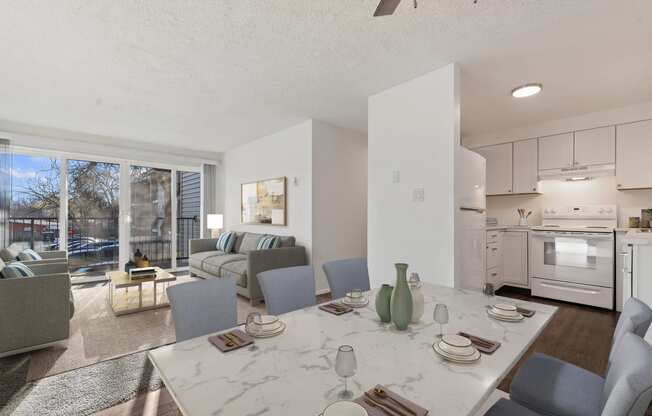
(386, 7)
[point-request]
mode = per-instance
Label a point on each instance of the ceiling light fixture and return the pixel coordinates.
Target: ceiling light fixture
(526, 90)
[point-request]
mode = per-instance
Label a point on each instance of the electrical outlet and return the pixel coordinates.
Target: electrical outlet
(396, 176)
(418, 195)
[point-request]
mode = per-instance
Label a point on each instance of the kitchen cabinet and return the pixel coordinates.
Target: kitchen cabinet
(595, 146)
(633, 149)
(525, 170)
(499, 168)
(515, 258)
(494, 258)
(556, 152)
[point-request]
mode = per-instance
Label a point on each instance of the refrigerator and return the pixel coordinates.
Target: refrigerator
(470, 219)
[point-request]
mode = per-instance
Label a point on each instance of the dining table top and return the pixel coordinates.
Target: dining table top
(293, 373)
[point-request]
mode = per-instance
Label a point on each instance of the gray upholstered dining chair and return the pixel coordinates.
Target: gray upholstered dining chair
(288, 289)
(552, 387)
(504, 407)
(346, 275)
(636, 317)
(203, 307)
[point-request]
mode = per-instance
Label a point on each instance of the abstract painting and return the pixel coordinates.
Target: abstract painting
(263, 202)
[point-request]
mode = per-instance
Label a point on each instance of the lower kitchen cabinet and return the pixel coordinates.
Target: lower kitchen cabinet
(515, 258)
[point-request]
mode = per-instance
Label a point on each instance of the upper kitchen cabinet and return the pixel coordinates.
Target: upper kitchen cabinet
(526, 175)
(499, 168)
(556, 152)
(595, 146)
(633, 149)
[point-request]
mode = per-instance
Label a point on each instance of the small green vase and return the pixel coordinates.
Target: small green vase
(401, 302)
(383, 299)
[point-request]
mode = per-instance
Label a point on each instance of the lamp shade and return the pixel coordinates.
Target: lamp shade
(214, 221)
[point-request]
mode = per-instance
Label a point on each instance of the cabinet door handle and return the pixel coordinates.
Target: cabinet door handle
(494, 274)
(494, 249)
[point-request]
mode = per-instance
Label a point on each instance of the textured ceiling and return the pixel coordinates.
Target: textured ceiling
(215, 74)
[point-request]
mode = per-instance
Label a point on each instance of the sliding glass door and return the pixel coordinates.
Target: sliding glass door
(34, 187)
(93, 216)
(151, 214)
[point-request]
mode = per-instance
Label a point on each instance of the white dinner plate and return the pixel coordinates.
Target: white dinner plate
(457, 345)
(456, 358)
(268, 334)
(356, 304)
(494, 315)
(345, 408)
(505, 307)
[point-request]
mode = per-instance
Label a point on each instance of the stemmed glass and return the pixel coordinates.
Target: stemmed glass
(345, 366)
(441, 317)
(489, 291)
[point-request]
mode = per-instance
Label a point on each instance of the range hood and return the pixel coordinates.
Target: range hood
(578, 172)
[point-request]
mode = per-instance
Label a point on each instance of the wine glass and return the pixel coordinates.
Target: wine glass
(441, 317)
(345, 366)
(489, 291)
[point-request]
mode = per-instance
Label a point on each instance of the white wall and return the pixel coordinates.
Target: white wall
(339, 196)
(413, 128)
(595, 191)
(286, 153)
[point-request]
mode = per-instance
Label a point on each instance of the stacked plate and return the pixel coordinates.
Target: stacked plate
(266, 326)
(504, 312)
(457, 349)
(355, 299)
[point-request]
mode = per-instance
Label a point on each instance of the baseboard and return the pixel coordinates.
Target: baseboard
(323, 292)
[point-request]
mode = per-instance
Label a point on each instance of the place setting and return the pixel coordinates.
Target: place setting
(503, 311)
(355, 299)
(263, 326)
(377, 401)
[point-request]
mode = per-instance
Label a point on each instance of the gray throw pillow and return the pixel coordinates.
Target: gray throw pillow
(249, 242)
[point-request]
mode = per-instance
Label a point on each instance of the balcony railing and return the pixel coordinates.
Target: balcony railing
(93, 243)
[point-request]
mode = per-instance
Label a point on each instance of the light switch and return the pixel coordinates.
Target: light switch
(418, 195)
(396, 176)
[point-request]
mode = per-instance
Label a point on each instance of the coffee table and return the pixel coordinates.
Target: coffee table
(144, 295)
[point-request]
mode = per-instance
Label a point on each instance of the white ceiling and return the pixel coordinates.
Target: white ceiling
(214, 74)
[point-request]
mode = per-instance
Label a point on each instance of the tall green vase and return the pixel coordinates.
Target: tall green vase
(383, 299)
(401, 302)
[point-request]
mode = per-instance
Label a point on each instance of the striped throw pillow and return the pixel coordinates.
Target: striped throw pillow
(226, 242)
(29, 255)
(16, 269)
(268, 241)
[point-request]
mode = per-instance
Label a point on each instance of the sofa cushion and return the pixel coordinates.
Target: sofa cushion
(268, 242)
(8, 254)
(29, 255)
(197, 259)
(249, 242)
(237, 270)
(287, 241)
(213, 265)
(16, 269)
(225, 242)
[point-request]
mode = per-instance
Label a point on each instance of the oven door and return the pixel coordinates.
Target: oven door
(586, 258)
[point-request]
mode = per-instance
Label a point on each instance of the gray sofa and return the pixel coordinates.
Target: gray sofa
(35, 312)
(245, 262)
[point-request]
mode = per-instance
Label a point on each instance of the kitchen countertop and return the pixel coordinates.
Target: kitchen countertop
(508, 228)
(633, 236)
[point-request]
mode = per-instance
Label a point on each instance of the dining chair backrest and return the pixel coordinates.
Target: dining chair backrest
(636, 317)
(628, 385)
(345, 275)
(203, 307)
(288, 289)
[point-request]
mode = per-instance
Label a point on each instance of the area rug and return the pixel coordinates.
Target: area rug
(83, 391)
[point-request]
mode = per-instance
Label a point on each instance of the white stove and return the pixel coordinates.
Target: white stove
(572, 254)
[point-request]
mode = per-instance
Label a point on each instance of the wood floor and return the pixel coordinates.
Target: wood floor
(578, 334)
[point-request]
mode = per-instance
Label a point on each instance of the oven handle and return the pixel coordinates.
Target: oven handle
(543, 234)
(570, 289)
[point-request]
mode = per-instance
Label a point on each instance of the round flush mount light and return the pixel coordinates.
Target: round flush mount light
(526, 90)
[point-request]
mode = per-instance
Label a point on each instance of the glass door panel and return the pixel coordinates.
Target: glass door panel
(93, 216)
(188, 213)
(34, 202)
(151, 214)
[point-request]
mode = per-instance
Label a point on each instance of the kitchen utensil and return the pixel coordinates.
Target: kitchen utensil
(440, 315)
(345, 366)
(381, 393)
(392, 408)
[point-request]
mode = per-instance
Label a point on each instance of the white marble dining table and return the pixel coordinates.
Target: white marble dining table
(293, 373)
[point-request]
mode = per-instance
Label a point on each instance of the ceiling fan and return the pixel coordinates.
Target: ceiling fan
(387, 7)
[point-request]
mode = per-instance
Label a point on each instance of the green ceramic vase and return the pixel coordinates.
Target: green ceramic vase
(383, 299)
(401, 302)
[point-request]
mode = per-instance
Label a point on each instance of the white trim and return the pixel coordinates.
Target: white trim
(63, 204)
